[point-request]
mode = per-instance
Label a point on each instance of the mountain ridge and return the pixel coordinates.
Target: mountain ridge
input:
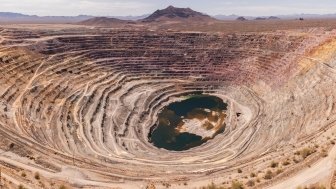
(12, 17)
(174, 13)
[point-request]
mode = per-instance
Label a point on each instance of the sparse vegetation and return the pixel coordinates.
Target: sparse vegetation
(166, 184)
(268, 175)
(315, 186)
(324, 153)
(23, 174)
(274, 164)
(62, 187)
(250, 183)
(37, 176)
(278, 171)
(236, 185)
(296, 160)
(151, 186)
(213, 186)
(11, 146)
(304, 153)
(285, 163)
(21, 187)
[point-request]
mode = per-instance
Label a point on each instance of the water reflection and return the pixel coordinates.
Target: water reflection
(189, 123)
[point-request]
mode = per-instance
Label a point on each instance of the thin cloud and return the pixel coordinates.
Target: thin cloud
(75, 7)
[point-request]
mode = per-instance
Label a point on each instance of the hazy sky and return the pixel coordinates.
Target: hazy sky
(139, 7)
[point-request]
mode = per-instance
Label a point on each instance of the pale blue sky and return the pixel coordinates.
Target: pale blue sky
(139, 7)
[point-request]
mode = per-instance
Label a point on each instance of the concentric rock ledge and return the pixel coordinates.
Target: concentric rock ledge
(83, 101)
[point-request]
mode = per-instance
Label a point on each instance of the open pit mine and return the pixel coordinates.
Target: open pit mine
(95, 107)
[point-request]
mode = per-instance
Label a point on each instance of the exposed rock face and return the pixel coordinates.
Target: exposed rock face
(78, 104)
(173, 13)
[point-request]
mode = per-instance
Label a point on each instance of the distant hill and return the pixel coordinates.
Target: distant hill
(177, 14)
(134, 18)
(269, 18)
(169, 14)
(241, 18)
(308, 16)
(260, 18)
(273, 18)
(232, 17)
(105, 21)
(9, 17)
(288, 17)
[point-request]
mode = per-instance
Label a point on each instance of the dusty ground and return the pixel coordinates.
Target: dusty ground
(77, 104)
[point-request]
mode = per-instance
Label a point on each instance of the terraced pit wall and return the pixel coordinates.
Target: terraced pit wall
(84, 100)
